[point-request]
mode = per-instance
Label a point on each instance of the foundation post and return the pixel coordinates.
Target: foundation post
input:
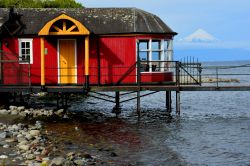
(117, 108)
(168, 101)
(178, 103)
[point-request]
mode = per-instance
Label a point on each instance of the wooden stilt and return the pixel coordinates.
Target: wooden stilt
(57, 100)
(139, 103)
(168, 101)
(178, 103)
(117, 108)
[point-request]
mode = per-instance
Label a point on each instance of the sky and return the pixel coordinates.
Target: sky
(227, 20)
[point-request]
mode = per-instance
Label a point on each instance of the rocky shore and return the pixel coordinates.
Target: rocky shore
(30, 144)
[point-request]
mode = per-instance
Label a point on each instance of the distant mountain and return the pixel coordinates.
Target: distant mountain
(199, 35)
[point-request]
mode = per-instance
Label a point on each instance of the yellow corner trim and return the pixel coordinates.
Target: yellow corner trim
(82, 30)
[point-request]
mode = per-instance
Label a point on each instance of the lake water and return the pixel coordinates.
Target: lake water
(214, 127)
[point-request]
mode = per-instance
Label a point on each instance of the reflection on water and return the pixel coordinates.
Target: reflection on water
(214, 129)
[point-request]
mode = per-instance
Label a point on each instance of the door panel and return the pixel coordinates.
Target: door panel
(67, 62)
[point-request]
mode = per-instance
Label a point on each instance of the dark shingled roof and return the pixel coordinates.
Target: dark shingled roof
(97, 20)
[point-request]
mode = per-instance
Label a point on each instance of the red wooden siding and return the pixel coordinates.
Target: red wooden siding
(117, 61)
(117, 55)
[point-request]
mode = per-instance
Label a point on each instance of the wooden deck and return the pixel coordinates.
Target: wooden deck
(81, 89)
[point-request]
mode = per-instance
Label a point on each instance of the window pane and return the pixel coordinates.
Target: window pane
(23, 51)
(27, 44)
(143, 55)
(166, 43)
(156, 55)
(23, 57)
(143, 45)
(27, 57)
(156, 45)
(28, 51)
(23, 44)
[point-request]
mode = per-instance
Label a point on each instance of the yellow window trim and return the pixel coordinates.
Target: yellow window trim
(82, 29)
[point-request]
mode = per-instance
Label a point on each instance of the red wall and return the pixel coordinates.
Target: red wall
(117, 58)
(15, 73)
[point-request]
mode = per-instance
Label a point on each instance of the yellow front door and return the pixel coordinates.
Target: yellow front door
(67, 62)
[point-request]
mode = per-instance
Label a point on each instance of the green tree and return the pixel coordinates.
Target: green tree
(40, 4)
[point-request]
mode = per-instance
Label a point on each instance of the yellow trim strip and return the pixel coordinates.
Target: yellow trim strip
(42, 62)
(57, 28)
(71, 28)
(86, 55)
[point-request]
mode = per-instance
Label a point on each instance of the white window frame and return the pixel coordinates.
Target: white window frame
(30, 40)
(165, 53)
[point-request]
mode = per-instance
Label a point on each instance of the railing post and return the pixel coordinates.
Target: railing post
(217, 78)
(200, 70)
(29, 75)
(138, 82)
(177, 70)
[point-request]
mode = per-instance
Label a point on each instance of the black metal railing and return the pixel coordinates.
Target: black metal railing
(222, 75)
(13, 70)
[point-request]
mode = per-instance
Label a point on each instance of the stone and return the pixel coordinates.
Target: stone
(21, 139)
(24, 142)
(34, 132)
(4, 112)
(14, 112)
(58, 161)
(59, 112)
(3, 135)
(10, 140)
(44, 163)
(30, 156)
(3, 157)
(24, 147)
(80, 162)
(68, 163)
(28, 136)
(6, 146)
(12, 107)
(21, 108)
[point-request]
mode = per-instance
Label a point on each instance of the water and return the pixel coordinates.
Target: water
(214, 127)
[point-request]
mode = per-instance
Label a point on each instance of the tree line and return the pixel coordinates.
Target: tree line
(40, 4)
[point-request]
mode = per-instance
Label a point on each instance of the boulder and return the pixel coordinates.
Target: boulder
(24, 147)
(58, 161)
(4, 111)
(34, 132)
(12, 107)
(3, 135)
(21, 108)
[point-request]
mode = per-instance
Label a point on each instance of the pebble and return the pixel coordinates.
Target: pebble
(80, 162)
(3, 135)
(4, 112)
(21, 108)
(24, 147)
(58, 161)
(24, 142)
(12, 107)
(3, 157)
(14, 112)
(34, 132)
(10, 140)
(59, 112)
(6, 146)
(30, 157)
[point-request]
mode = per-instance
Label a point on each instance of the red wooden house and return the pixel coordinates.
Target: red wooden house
(96, 46)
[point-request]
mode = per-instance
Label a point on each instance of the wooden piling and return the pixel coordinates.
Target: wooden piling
(168, 101)
(117, 107)
(178, 103)
(139, 103)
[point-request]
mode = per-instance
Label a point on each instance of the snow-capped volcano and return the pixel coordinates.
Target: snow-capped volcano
(200, 35)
